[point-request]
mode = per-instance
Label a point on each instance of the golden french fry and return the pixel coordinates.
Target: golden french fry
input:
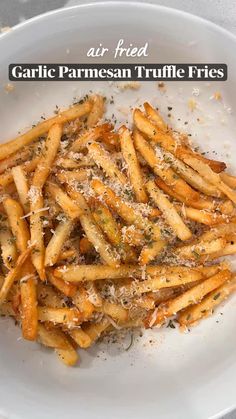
(134, 170)
(17, 223)
(48, 156)
(189, 297)
(197, 250)
(15, 159)
(74, 162)
(68, 356)
(8, 246)
(29, 315)
(169, 143)
(70, 208)
(151, 251)
(201, 216)
(29, 166)
(116, 311)
(171, 215)
(92, 230)
(65, 287)
(57, 241)
(52, 337)
(78, 273)
(94, 330)
(13, 275)
(82, 339)
(69, 115)
(36, 230)
(205, 308)
(81, 301)
(102, 159)
(192, 177)
(205, 171)
(199, 204)
(96, 112)
(21, 186)
(108, 224)
(47, 296)
(220, 230)
(160, 169)
(72, 176)
(68, 316)
(228, 180)
(125, 211)
(155, 117)
(93, 134)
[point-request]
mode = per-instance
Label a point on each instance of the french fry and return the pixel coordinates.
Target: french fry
(68, 356)
(93, 134)
(13, 275)
(229, 249)
(201, 216)
(47, 296)
(134, 171)
(205, 171)
(220, 230)
(96, 112)
(52, 337)
(155, 117)
(161, 281)
(29, 316)
(17, 223)
(93, 232)
(198, 204)
(15, 159)
(69, 115)
(72, 176)
(70, 208)
(6, 309)
(228, 180)
(69, 316)
(78, 273)
(72, 163)
(196, 251)
(36, 231)
(160, 169)
(67, 254)
(102, 159)
(169, 143)
(29, 166)
(125, 211)
(41, 174)
(94, 330)
(21, 186)
(48, 156)
(57, 241)
(132, 236)
(107, 223)
(169, 212)
(192, 177)
(65, 287)
(8, 247)
(189, 297)
(116, 311)
(81, 301)
(82, 339)
(151, 251)
(196, 312)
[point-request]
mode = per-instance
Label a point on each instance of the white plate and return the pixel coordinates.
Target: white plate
(177, 375)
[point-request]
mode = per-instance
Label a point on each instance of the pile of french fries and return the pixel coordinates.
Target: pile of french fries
(103, 230)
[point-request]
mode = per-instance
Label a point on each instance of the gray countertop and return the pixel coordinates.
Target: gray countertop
(222, 12)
